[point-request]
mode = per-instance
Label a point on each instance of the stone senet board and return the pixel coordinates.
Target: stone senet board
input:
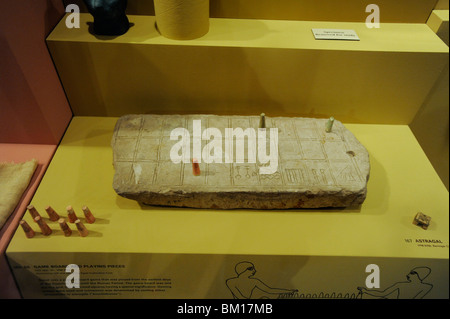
(310, 167)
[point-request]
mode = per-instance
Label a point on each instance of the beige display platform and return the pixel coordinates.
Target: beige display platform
(291, 163)
(135, 251)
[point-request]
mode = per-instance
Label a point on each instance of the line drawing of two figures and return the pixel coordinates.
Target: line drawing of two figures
(246, 286)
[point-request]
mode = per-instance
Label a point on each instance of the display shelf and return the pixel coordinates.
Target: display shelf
(438, 22)
(19, 153)
(249, 66)
(152, 241)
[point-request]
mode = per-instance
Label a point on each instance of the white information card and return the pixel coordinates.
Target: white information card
(335, 34)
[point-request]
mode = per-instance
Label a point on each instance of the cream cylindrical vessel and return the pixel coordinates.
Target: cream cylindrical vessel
(182, 19)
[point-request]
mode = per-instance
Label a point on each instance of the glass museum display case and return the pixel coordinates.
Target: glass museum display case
(388, 87)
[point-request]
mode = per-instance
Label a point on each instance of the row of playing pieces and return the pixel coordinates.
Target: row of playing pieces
(53, 216)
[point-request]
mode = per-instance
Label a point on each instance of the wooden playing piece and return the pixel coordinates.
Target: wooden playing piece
(29, 232)
(71, 214)
(82, 230)
(52, 214)
(45, 229)
(64, 227)
(88, 215)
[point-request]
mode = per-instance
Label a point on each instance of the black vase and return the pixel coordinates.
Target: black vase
(109, 16)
